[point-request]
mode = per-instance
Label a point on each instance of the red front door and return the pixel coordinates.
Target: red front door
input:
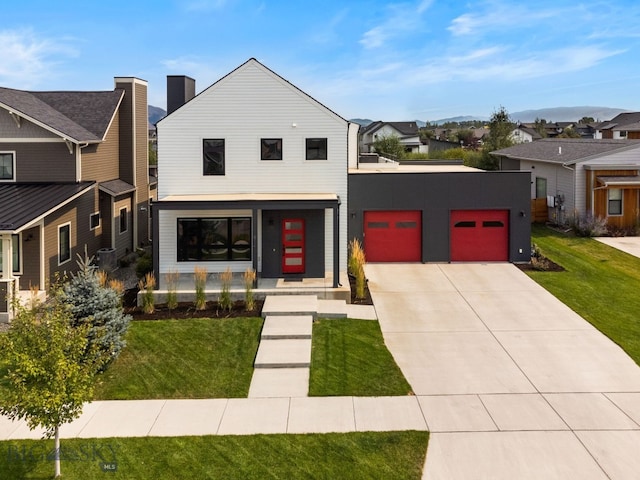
(293, 245)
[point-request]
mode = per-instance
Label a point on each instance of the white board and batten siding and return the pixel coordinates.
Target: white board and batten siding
(247, 105)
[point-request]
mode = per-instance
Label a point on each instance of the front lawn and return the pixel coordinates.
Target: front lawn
(349, 357)
(195, 358)
(600, 283)
(388, 455)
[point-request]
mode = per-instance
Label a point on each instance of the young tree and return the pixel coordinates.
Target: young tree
(390, 145)
(569, 133)
(47, 378)
(100, 308)
(539, 126)
(500, 128)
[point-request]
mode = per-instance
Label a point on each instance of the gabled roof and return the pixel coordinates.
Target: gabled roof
(564, 150)
(77, 116)
(254, 62)
(621, 120)
(407, 129)
(531, 131)
(22, 204)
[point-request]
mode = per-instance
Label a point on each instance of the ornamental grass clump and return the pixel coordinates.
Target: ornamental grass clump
(148, 283)
(225, 291)
(356, 266)
(249, 278)
(200, 278)
(171, 278)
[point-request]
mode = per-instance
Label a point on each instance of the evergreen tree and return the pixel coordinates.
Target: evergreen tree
(99, 307)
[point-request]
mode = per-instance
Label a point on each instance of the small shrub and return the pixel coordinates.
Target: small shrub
(200, 278)
(225, 292)
(356, 266)
(249, 278)
(147, 284)
(588, 225)
(144, 265)
(117, 286)
(172, 278)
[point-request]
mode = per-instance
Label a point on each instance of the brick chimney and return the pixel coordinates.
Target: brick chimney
(180, 89)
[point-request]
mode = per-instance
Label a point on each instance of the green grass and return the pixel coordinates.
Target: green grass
(600, 283)
(349, 357)
(389, 455)
(199, 358)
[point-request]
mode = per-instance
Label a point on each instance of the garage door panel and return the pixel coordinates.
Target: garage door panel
(393, 236)
(479, 235)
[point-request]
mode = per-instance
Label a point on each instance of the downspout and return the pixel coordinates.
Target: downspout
(80, 146)
(336, 245)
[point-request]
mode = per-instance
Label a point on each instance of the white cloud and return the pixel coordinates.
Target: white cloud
(402, 18)
(27, 59)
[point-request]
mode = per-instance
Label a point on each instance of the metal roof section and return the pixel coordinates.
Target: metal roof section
(23, 204)
(116, 187)
(252, 197)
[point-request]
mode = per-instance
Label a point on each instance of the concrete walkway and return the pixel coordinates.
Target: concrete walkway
(512, 383)
(630, 245)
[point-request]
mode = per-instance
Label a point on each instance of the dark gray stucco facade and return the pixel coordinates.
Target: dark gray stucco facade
(436, 195)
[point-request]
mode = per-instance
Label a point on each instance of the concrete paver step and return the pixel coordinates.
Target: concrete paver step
(285, 353)
(287, 327)
(290, 305)
(279, 382)
(332, 308)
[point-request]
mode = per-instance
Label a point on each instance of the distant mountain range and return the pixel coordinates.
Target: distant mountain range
(556, 114)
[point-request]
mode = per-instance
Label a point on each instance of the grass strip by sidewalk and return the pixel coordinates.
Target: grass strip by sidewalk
(197, 358)
(349, 357)
(388, 455)
(600, 283)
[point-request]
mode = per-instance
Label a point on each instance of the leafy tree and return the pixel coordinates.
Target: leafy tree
(100, 307)
(48, 379)
(390, 145)
(586, 120)
(569, 132)
(500, 128)
(153, 154)
(539, 126)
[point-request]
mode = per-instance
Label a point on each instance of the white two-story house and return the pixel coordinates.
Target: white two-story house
(253, 174)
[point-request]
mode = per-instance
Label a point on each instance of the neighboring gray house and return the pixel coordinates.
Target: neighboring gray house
(622, 126)
(407, 132)
(581, 176)
(73, 175)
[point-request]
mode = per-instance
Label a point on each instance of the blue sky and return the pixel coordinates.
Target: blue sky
(404, 60)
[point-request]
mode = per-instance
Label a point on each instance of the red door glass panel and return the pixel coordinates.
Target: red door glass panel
(293, 245)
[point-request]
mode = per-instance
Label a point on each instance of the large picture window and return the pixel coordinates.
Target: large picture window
(316, 148)
(213, 156)
(271, 149)
(614, 201)
(214, 239)
(64, 243)
(7, 166)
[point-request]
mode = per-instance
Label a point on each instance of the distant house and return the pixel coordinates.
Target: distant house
(622, 126)
(73, 176)
(407, 132)
(523, 134)
(581, 176)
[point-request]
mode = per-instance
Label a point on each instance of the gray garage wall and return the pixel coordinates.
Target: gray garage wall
(436, 194)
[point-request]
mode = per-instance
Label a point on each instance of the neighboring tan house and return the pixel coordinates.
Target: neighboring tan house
(73, 176)
(253, 174)
(581, 176)
(407, 132)
(622, 126)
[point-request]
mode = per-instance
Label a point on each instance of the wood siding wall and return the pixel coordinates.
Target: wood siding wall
(630, 198)
(100, 162)
(31, 259)
(10, 129)
(124, 241)
(247, 105)
(42, 161)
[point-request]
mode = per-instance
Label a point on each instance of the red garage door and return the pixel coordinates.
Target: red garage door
(479, 235)
(393, 236)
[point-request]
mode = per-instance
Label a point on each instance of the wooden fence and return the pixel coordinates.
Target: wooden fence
(539, 210)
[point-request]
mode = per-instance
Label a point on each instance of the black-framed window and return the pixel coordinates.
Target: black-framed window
(316, 148)
(7, 166)
(214, 239)
(94, 221)
(614, 201)
(213, 156)
(64, 243)
(124, 219)
(271, 149)
(15, 248)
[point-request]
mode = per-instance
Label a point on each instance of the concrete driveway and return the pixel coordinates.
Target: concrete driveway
(630, 245)
(512, 383)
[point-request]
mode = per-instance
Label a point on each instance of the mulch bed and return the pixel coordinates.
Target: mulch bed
(540, 264)
(188, 310)
(367, 296)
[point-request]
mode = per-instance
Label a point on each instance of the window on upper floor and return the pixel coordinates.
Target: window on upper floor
(64, 243)
(213, 156)
(614, 201)
(7, 166)
(271, 149)
(316, 148)
(94, 221)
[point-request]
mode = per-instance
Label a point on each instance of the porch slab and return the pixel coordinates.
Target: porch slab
(279, 383)
(290, 305)
(332, 309)
(287, 327)
(283, 354)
